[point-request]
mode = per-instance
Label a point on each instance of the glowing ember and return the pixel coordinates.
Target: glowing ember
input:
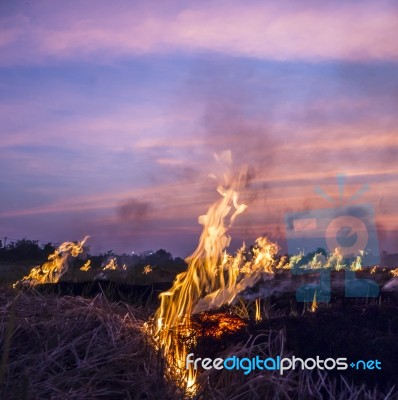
(55, 267)
(217, 325)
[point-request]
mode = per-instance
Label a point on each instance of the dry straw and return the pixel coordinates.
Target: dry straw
(75, 348)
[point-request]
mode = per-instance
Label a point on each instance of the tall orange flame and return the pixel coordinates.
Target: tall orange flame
(204, 274)
(213, 278)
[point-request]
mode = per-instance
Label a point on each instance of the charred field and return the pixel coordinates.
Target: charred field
(89, 340)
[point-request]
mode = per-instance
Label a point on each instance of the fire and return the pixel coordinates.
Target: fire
(86, 266)
(258, 310)
(357, 264)
(213, 277)
(55, 267)
(333, 261)
(242, 273)
(394, 273)
(147, 270)
(205, 275)
(314, 304)
(111, 265)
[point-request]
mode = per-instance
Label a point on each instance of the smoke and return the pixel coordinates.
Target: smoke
(134, 211)
(229, 122)
(232, 120)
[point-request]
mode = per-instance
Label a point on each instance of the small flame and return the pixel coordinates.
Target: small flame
(357, 263)
(55, 267)
(333, 261)
(314, 304)
(147, 270)
(258, 310)
(394, 273)
(111, 266)
(86, 266)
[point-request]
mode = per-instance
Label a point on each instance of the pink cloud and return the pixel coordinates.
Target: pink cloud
(283, 30)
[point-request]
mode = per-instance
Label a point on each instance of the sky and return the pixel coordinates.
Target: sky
(111, 112)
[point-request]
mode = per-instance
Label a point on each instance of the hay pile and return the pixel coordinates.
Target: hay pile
(75, 348)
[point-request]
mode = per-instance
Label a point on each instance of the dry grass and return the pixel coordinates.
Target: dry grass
(75, 348)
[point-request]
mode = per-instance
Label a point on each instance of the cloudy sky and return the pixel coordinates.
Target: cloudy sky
(111, 112)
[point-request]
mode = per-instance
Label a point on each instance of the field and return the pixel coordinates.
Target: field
(84, 340)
